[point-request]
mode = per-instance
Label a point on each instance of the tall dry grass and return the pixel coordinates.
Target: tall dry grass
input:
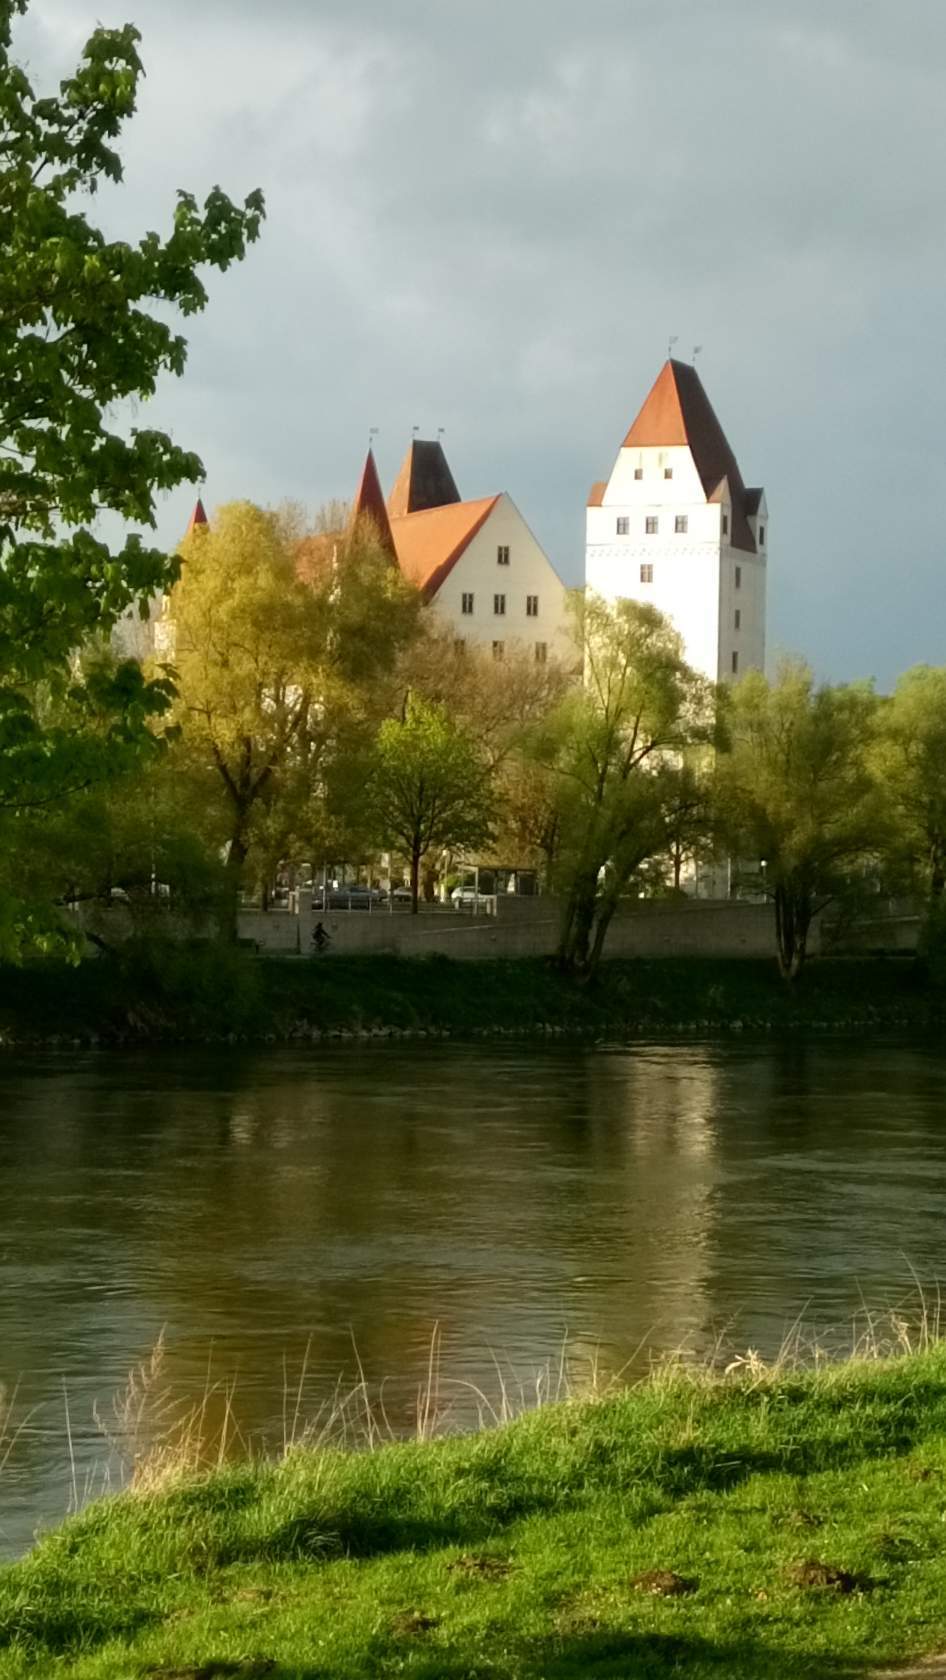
(153, 1437)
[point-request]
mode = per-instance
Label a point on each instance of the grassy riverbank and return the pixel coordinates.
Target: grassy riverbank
(151, 992)
(763, 1524)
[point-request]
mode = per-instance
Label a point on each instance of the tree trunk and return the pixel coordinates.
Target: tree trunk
(792, 922)
(415, 879)
(606, 909)
(937, 870)
(579, 920)
(236, 858)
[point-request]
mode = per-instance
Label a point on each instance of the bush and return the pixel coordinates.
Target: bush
(202, 985)
(932, 951)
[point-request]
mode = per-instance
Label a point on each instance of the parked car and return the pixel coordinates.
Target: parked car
(463, 896)
(354, 897)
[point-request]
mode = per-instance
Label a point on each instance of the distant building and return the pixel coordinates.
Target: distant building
(477, 564)
(676, 526)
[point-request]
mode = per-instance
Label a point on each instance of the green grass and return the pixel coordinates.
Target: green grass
(151, 992)
(513, 1552)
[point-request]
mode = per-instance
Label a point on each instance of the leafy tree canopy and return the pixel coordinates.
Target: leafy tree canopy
(79, 339)
(910, 757)
(283, 667)
(795, 788)
(612, 745)
(429, 787)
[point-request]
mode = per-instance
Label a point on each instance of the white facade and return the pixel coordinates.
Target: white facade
(504, 593)
(657, 532)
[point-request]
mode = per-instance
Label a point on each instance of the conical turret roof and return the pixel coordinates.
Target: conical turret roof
(677, 412)
(424, 481)
(369, 504)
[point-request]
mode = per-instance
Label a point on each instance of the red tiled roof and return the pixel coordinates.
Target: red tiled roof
(678, 412)
(596, 493)
(424, 481)
(369, 503)
(198, 517)
(430, 543)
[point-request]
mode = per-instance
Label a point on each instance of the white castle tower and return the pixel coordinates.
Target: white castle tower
(676, 526)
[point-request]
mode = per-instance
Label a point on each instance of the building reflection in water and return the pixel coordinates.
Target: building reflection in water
(273, 1214)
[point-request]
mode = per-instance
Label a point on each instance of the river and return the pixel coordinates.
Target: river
(560, 1210)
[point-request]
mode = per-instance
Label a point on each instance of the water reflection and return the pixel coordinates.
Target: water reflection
(612, 1201)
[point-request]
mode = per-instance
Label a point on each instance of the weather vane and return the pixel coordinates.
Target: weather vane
(372, 434)
(440, 431)
(697, 351)
(415, 430)
(671, 345)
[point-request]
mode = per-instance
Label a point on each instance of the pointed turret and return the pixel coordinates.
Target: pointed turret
(369, 504)
(424, 481)
(677, 412)
(198, 517)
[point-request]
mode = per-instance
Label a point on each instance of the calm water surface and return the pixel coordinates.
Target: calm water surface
(628, 1200)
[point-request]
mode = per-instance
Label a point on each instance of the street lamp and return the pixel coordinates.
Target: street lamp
(762, 863)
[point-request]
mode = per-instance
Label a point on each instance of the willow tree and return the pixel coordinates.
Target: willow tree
(84, 333)
(280, 665)
(795, 787)
(910, 757)
(613, 745)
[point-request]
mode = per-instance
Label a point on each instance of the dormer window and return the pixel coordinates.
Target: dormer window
(622, 525)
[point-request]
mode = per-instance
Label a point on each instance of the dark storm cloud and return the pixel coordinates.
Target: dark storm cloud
(491, 218)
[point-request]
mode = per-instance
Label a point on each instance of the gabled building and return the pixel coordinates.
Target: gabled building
(477, 564)
(675, 525)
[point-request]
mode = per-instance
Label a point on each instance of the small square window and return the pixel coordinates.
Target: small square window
(725, 524)
(541, 652)
(499, 605)
(668, 472)
(622, 525)
(459, 644)
(647, 574)
(532, 606)
(650, 526)
(761, 536)
(737, 619)
(499, 649)
(502, 555)
(680, 524)
(467, 604)
(735, 664)
(737, 578)
(638, 472)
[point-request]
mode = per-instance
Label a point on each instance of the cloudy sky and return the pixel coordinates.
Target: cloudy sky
(491, 217)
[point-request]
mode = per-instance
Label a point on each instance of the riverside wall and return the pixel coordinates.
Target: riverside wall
(529, 927)
(523, 927)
